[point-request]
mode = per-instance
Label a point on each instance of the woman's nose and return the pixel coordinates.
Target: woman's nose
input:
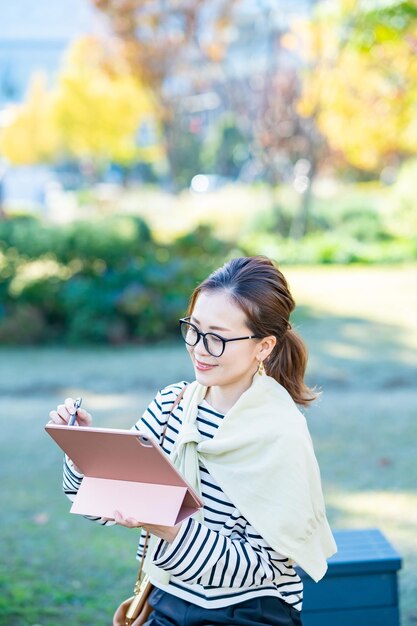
(200, 348)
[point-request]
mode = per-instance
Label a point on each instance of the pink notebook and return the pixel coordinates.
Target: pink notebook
(127, 471)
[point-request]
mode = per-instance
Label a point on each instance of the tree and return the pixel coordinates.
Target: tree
(95, 112)
(99, 105)
(30, 137)
(161, 39)
(175, 48)
(361, 85)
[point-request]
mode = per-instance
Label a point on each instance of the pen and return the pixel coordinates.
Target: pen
(77, 405)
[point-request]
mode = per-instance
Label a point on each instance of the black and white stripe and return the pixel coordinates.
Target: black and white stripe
(223, 560)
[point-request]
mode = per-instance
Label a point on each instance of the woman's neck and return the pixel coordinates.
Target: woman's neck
(223, 397)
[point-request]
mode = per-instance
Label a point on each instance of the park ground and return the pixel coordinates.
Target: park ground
(359, 324)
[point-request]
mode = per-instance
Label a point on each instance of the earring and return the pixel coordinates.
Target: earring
(261, 368)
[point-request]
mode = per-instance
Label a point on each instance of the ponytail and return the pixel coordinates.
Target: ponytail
(287, 364)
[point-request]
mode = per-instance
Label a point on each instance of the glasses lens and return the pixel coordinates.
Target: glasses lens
(189, 333)
(214, 345)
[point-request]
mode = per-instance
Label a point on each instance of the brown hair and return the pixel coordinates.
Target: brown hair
(261, 291)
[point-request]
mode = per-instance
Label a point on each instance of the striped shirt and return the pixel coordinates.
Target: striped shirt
(219, 562)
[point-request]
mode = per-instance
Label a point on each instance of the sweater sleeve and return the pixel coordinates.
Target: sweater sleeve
(72, 478)
(207, 557)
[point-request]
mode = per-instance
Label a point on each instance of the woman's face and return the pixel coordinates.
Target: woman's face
(216, 312)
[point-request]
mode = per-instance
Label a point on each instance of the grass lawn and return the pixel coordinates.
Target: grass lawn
(359, 324)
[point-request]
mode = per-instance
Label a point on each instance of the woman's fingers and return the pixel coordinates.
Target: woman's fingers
(63, 412)
(69, 405)
(129, 522)
(84, 418)
(57, 419)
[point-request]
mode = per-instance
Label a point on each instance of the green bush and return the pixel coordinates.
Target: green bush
(330, 248)
(400, 202)
(109, 240)
(108, 281)
(99, 281)
(30, 238)
(22, 324)
(355, 212)
(366, 223)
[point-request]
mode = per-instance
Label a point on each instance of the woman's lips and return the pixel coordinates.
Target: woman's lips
(203, 367)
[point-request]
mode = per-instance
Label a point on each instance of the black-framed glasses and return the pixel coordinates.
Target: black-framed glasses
(213, 343)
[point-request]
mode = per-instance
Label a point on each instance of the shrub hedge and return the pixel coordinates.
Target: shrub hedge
(97, 281)
(109, 281)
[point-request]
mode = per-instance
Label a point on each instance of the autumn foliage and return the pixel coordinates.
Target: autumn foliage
(361, 80)
(93, 112)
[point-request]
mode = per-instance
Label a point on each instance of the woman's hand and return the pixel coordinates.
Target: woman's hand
(64, 411)
(167, 533)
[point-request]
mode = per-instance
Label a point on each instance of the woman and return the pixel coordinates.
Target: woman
(239, 438)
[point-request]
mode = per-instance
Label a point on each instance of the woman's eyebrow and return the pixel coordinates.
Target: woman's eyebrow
(211, 327)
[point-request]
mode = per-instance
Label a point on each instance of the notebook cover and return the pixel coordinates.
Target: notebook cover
(145, 502)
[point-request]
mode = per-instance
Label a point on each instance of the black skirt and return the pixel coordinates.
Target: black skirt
(263, 611)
